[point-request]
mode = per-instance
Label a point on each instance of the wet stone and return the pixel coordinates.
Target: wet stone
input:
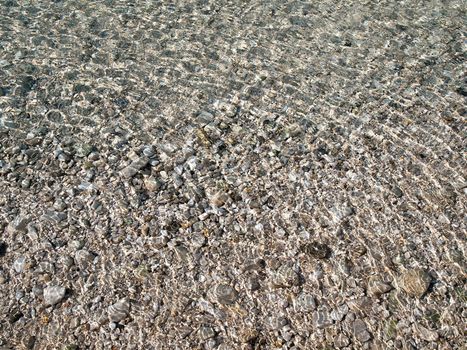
(322, 319)
(54, 294)
(341, 341)
(225, 294)
(206, 332)
(426, 334)
(205, 117)
(305, 303)
(19, 224)
(360, 331)
(415, 282)
(376, 287)
(14, 316)
(3, 249)
(20, 264)
(316, 250)
(286, 277)
(119, 310)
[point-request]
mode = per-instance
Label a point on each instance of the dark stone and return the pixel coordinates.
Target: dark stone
(29, 341)
(397, 191)
(121, 102)
(316, 250)
(3, 248)
(4, 91)
(80, 88)
(27, 84)
(15, 316)
(461, 91)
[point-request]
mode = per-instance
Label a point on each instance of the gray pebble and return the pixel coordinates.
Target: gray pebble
(305, 303)
(206, 332)
(322, 319)
(19, 224)
(341, 341)
(54, 294)
(286, 277)
(205, 117)
(376, 287)
(360, 331)
(225, 294)
(19, 264)
(119, 310)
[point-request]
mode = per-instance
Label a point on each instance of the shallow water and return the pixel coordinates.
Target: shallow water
(273, 124)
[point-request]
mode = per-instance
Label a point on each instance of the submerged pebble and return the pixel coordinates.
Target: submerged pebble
(54, 294)
(415, 282)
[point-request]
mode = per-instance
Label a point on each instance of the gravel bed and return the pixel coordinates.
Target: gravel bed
(232, 175)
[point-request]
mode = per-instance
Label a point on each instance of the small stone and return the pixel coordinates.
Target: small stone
(83, 258)
(341, 341)
(19, 264)
(19, 224)
(29, 341)
(286, 277)
(277, 322)
(376, 287)
(139, 163)
(84, 150)
(205, 117)
(426, 334)
(182, 252)
(321, 319)
(54, 216)
(415, 282)
(136, 165)
(128, 172)
(3, 278)
(219, 199)
(360, 331)
(152, 184)
(316, 250)
(15, 316)
(341, 212)
(3, 247)
(149, 151)
(252, 284)
(305, 303)
(71, 347)
(119, 310)
(225, 294)
(397, 192)
(54, 294)
(206, 332)
(339, 313)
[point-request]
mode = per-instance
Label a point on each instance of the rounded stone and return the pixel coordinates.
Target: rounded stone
(119, 310)
(286, 277)
(415, 282)
(225, 294)
(54, 294)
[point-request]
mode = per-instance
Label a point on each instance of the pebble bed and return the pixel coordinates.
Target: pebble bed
(232, 174)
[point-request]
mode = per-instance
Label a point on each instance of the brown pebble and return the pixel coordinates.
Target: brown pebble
(415, 282)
